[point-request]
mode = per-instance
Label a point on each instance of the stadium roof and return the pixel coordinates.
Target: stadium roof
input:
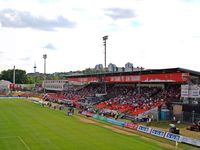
(145, 71)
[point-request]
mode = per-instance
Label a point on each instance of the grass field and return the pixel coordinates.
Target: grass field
(27, 126)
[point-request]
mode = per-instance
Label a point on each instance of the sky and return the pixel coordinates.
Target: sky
(153, 34)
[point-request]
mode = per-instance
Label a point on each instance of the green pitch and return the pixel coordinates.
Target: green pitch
(27, 126)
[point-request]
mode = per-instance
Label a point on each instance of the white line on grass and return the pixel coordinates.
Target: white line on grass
(27, 147)
(8, 137)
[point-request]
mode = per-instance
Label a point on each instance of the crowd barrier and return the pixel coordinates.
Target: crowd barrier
(144, 129)
(158, 132)
(99, 117)
(110, 120)
(148, 130)
(173, 137)
(131, 125)
(88, 114)
(191, 141)
(113, 121)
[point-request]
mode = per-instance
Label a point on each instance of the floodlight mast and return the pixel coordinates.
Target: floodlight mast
(104, 43)
(14, 75)
(35, 73)
(45, 57)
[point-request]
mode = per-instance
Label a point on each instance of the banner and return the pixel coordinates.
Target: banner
(131, 125)
(83, 79)
(119, 123)
(173, 137)
(194, 91)
(12, 86)
(167, 135)
(165, 77)
(99, 117)
(88, 114)
(160, 77)
(123, 78)
(190, 141)
(95, 116)
(191, 91)
(184, 90)
(158, 133)
(144, 129)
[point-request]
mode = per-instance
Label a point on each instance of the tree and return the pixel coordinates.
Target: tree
(20, 76)
(92, 71)
(30, 80)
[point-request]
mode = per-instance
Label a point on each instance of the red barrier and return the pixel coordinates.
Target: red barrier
(131, 125)
(88, 114)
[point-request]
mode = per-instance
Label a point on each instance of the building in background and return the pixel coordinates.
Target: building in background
(128, 67)
(99, 67)
(112, 67)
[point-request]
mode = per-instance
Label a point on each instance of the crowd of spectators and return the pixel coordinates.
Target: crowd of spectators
(87, 91)
(125, 98)
(54, 97)
(82, 94)
(135, 101)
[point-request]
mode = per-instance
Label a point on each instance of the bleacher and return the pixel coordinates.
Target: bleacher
(133, 102)
(124, 98)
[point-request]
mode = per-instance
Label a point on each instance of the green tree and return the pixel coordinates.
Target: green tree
(30, 80)
(92, 71)
(34, 79)
(20, 76)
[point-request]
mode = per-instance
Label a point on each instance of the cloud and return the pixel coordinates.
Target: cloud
(194, 36)
(23, 19)
(49, 46)
(25, 58)
(136, 24)
(1, 52)
(119, 13)
(190, 1)
(48, 1)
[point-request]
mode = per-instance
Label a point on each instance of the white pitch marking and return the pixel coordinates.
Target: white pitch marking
(24, 143)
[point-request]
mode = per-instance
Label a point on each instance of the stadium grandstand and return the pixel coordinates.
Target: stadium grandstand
(130, 93)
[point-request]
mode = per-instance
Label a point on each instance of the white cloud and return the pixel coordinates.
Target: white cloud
(152, 34)
(119, 13)
(49, 46)
(17, 19)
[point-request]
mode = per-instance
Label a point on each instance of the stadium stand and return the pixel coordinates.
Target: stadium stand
(125, 98)
(129, 92)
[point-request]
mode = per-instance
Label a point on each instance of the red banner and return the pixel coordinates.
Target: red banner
(88, 114)
(12, 86)
(131, 125)
(164, 77)
(124, 78)
(83, 79)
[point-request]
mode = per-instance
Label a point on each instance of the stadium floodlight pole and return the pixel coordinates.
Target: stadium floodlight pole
(45, 57)
(35, 73)
(104, 43)
(35, 68)
(14, 75)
